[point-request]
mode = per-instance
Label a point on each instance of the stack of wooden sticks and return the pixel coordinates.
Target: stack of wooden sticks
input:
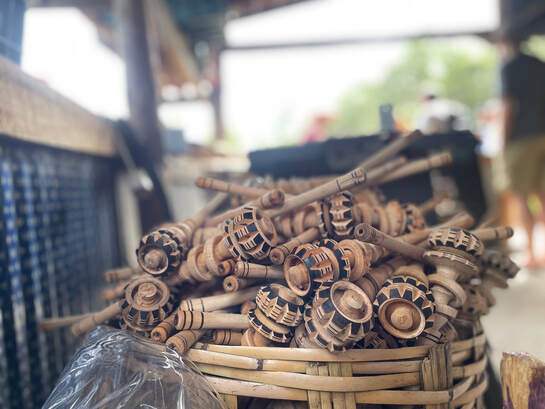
(322, 263)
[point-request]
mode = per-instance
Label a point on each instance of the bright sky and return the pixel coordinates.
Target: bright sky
(264, 92)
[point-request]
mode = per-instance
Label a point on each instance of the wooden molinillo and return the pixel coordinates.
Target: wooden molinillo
(366, 280)
(404, 305)
(163, 250)
(454, 254)
(147, 301)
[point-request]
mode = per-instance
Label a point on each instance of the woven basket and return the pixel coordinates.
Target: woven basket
(450, 375)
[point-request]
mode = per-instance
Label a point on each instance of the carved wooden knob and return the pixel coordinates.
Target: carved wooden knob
(404, 306)
(280, 304)
(147, 302)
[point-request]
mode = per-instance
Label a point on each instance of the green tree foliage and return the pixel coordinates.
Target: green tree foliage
(467, 76)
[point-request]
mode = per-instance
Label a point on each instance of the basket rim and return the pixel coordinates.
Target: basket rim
(352, 355)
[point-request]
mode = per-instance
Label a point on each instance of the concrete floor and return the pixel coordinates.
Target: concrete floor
(517, 321)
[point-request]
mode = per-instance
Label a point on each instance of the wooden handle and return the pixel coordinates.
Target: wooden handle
(494, 233)
(183, 340)
(227, 187)
(429, 205)
(49, 324)
(391, 149)
(371, 282)
(344, 182)
(269, 200)
(226, 337)
(247, 306)
(199, 217)
(217, 302)
(118, 274)
(462, 220)
(418, 166)
(209, 320)
(368, 234)
(110, 294)
(93, 320)
(279, 253)
(233, 283)
(243, 269)
(164, 329)
(381, 171)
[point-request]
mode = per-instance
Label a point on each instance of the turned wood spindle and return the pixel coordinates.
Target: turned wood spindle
(244, 269)
(93, 320)
(164, 329)
(367, 233)
(375, 174)
(417, 166)
(226, 337)
(233, 283)
(280, 252)
(48, 324)
(182, 341)
(162, 250)
(372, 282)
(271, 199)
(218, 302)
(494, 233)
(344, 182)
(432, 203)
(110, 294)
(228, 187)
(209, 320)
(391, 149)
(453, 252)
(120, 274)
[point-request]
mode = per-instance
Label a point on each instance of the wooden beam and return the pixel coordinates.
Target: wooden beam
(175, 52)
(135, 50)
(134, 44)
(33, 112)
(523, 381)
(355, 41)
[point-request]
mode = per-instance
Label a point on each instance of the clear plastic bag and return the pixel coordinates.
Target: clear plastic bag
(116, 370)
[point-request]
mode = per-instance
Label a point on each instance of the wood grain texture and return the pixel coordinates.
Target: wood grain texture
(32, 112)
(523, 381)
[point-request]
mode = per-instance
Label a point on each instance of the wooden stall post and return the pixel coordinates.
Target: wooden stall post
(142, 98)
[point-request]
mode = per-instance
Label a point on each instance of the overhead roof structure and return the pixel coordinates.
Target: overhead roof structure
(181, 26)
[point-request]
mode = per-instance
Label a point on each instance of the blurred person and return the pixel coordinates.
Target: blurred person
(317, 131)
(523, 99)
(442, 115)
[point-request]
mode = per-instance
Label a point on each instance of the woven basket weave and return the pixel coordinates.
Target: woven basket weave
(450, 375)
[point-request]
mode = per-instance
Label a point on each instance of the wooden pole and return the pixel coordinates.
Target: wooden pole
(391, 149)
(417, 166)
(142, 99)
(134, 46)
